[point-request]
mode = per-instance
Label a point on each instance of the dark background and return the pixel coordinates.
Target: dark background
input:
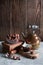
(16, 15)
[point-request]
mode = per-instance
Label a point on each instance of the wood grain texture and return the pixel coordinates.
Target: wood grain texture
(15, 15)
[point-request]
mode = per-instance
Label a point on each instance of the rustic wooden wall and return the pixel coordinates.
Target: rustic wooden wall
(41, 23)
(15, 15)
(4, 18)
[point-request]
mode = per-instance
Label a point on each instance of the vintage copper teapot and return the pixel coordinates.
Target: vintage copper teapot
(33, 39)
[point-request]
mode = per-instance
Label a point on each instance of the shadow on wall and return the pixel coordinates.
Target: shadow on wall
(41, 36)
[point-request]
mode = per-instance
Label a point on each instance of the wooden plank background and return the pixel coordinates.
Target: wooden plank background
(15, 15)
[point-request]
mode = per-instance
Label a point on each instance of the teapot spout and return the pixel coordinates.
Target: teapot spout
(23, 35)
